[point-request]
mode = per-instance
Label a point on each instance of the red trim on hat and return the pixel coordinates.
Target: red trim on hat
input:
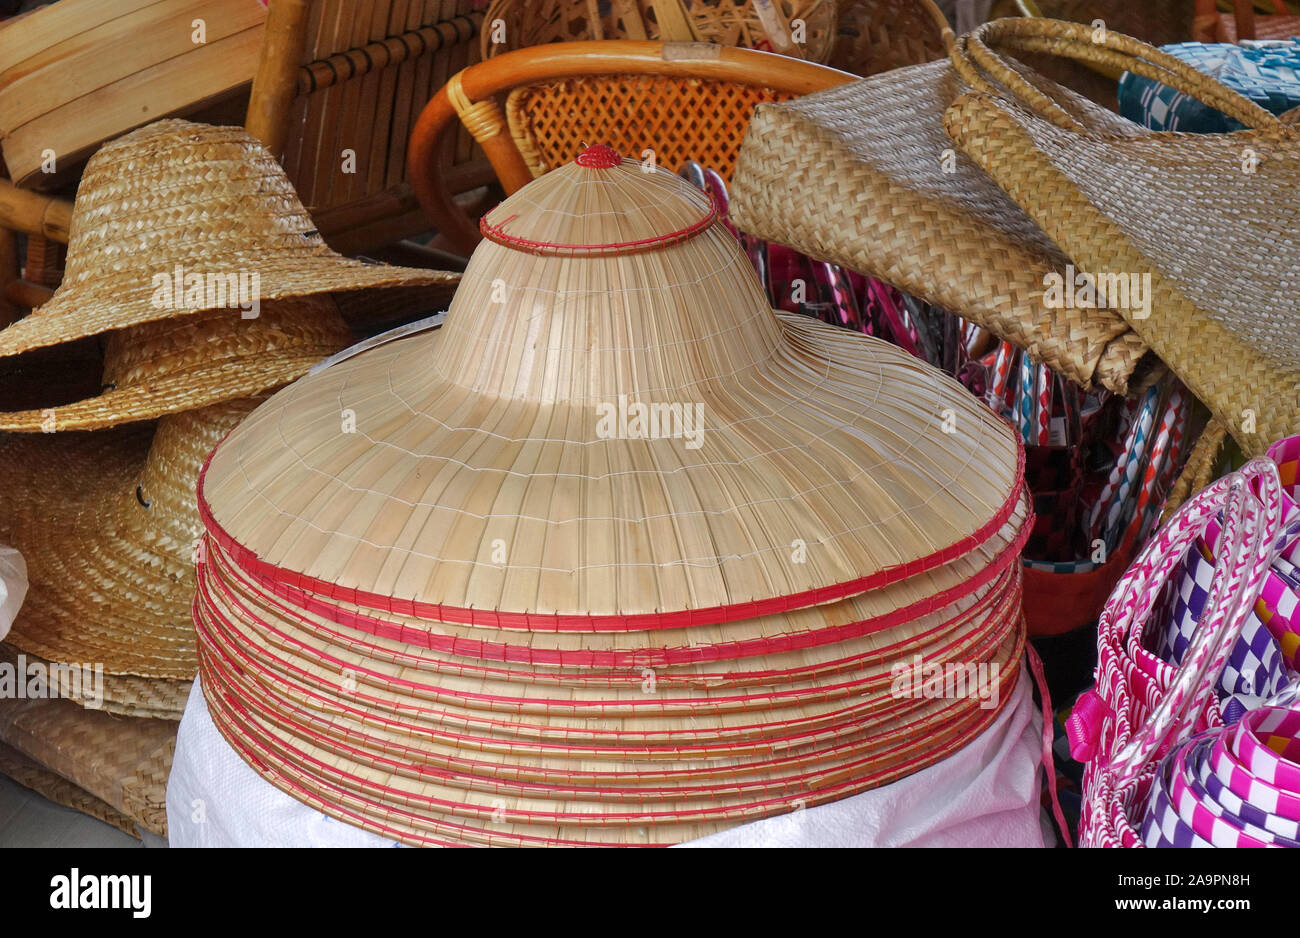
(270, 573)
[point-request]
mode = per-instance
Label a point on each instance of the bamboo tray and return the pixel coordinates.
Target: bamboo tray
(80, 72)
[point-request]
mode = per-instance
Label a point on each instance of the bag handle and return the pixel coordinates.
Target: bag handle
(1248, 547)
(973, 56)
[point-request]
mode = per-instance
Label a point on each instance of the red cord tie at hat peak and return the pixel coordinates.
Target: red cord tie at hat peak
(599, 156)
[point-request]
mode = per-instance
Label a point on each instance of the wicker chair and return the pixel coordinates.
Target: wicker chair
(680, 100)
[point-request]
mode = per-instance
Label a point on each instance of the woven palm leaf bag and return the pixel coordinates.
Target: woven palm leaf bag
(1203, 222)
(458, 589)
(863, 175)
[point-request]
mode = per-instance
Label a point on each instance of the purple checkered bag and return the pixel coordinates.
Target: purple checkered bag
(1256, 668)
(1142, 708)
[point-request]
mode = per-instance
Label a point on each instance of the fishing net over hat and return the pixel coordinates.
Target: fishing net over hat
(617, 546)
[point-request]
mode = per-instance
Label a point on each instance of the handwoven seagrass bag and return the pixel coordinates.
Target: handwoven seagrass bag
(1201, 224)
(863, 175)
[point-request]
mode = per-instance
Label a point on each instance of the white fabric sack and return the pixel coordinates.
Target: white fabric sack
(13, 586)
(984, 795)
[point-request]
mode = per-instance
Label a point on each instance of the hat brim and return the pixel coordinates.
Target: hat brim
(94, 306)
(213, 383)
(834, 444)
(106, 586)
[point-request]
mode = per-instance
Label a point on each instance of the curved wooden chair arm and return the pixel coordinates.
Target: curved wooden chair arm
(475, 89)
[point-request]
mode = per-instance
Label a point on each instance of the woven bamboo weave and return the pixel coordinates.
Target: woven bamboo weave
(856, 175)
(122, 761)
(648, 661)
(875, 36)
(121, 694)
(552, 121)
(1208, 217)
(31, 774)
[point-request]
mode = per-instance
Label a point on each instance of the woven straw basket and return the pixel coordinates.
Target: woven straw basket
(753, 25)
(469, 615)
(1208, 218)
(878, 35)
(864, 176)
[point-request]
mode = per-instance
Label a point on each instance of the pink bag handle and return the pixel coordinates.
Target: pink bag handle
(1250, 527)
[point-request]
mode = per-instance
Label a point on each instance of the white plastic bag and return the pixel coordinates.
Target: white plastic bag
(13, 586)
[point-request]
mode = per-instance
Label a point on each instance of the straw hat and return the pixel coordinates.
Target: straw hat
(174, 365)
(107, 526)
(800, 464)
(437, 575)
(165, 214)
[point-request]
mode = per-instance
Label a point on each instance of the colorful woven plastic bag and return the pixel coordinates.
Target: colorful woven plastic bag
(1139, 711)
(1266, 72)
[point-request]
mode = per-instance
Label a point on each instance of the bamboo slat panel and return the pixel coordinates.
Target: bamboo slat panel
(369, 70)
(78, 73)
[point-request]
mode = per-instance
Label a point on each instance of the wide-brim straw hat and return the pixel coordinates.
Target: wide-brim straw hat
(107, 524)
(863, 175)
(119, 694)
(1205, 218)
(173, 365)
(205, 201)
(798, 464)
(438, 574)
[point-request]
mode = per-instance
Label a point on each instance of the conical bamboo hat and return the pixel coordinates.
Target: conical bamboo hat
(612, 427)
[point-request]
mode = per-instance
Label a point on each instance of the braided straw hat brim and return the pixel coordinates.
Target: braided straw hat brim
(169, 367)
(206, 200)
(116, 303)
(206, 385)
(111, 580)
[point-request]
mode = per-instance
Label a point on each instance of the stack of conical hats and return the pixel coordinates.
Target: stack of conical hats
(617, 555)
